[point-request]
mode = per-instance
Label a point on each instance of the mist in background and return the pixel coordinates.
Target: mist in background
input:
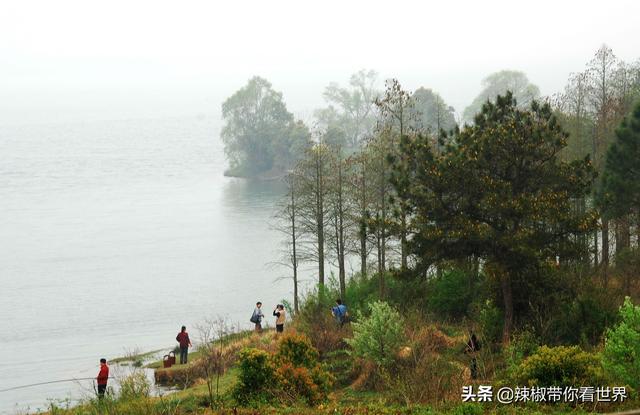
(75, 60)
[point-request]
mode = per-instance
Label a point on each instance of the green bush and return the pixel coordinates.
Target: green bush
(135, 386)
(256, 376)
(377, 337)
(582, 319)
(293, 373)
(468, 409)
(298, 371)
(491, 321)
(523, 344)
(450, 294)
(559, 366)
(621, 355)
(297, 350)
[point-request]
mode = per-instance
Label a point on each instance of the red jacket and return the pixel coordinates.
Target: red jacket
(103, 375)
(183, 339)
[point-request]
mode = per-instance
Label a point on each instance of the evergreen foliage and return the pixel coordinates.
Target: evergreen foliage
(378, 336)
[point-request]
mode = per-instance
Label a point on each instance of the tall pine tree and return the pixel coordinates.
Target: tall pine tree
(498, 191)
(619, 193)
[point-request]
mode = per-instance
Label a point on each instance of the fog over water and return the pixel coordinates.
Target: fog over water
(114, 234)
(116, 222)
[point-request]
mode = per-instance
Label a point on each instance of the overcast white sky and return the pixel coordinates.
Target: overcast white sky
(82, 59)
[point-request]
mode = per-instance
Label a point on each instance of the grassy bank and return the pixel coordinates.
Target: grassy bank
(400, 356)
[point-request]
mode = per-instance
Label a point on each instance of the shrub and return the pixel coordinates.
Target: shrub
(323, 332)
(298, 371)
(377, 337)
(523, 344)
(292, 373)
(491, 322)
(256, 376)
(135, 386)
(450, 293)
(468, 409)
(582, 319)
(621, 355)
(422, 373)
(559, 366)
(297, 350)
(296, 382)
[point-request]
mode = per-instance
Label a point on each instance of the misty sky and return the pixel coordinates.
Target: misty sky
(83, 60)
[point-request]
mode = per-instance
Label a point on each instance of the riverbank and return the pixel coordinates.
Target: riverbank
(349, 396)
(393, 357)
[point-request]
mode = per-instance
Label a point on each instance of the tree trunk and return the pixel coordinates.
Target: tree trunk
(403, 241)
(340, 223)
(605, 252)
(507, 297)
(363, 248)
(363, 225)
(596, 261)
(320, 221)
(623, 236)
(294, 259)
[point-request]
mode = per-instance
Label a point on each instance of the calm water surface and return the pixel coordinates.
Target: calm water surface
(113, 235)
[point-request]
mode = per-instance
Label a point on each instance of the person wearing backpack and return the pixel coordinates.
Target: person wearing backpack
(340, 312)
(257, 316)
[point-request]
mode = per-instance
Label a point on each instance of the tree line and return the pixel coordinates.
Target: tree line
(393, 181)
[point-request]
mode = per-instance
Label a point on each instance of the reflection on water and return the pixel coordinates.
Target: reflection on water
(114, 234)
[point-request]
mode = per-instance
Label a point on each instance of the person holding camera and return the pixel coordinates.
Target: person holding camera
(279, 313)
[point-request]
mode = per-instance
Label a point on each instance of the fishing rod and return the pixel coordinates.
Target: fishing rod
(47, 383)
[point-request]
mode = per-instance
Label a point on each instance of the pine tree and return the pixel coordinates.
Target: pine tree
(500, 191)
(619, 193)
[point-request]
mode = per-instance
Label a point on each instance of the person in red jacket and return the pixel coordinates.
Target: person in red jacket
(183, 339)
(102, 378)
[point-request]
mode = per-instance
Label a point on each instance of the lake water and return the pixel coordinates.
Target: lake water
(114, 234)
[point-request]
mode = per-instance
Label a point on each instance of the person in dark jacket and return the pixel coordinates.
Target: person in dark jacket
(103, 377)
(472, 348)
(257, 316)
(183, 339)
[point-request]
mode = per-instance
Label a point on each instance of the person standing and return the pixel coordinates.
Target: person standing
(340, 312)
(472, 348)
(257, 316)
(279, 313)
(103, 377)
(183, 339)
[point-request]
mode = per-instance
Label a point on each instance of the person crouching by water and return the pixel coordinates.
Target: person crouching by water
(257, 316)
(103, 377)
(340, 312)
(185, 343)
(280, 314)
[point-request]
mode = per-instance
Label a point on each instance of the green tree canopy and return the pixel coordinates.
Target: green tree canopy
(498, 191)
(619, 193)
(432, 114)
(350, 109)
(498, 84)
(259, 133)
